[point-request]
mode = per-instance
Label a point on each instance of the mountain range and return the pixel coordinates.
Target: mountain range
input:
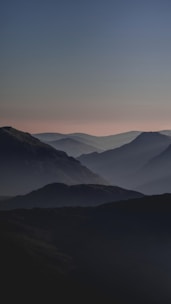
(87, 143)
(130, 166)
(61, 195)
(73, 147)
(27, 164)
(69, 234)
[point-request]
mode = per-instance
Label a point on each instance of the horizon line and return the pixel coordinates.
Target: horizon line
(91, 134)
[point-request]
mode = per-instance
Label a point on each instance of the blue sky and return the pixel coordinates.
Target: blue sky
(90, 66)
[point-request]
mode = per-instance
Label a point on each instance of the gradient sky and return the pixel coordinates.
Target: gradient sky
(100, 67)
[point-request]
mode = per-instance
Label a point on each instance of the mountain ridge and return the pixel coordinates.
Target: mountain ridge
(27, 164)
(99, 142)
(72, 146)
(62, 195)
(120, 165)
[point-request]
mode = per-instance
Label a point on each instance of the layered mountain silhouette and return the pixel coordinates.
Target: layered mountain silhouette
(97, 142)
(61, 195)
(27, 164)
(120, 166)
(155, 176)
(72, 146)
(114, 253)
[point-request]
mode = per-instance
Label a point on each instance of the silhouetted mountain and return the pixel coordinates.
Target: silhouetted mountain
(116, 253)
(60, 195)
(72, 146)
(155, 176)
(27, 164)
(120, 165)
(98, 142)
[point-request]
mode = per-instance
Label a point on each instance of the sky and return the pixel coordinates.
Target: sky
(99, 67)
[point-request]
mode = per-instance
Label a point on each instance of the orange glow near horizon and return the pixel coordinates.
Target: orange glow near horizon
(99, 129)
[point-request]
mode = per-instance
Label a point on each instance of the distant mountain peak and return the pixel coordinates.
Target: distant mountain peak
(148, 136)
(10, 133)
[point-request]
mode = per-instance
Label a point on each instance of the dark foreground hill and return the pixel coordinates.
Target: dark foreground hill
(27, 164)
(61, 195)
(116, 253)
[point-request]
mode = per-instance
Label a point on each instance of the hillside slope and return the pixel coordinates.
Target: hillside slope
(120, 165)
(27, 164)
